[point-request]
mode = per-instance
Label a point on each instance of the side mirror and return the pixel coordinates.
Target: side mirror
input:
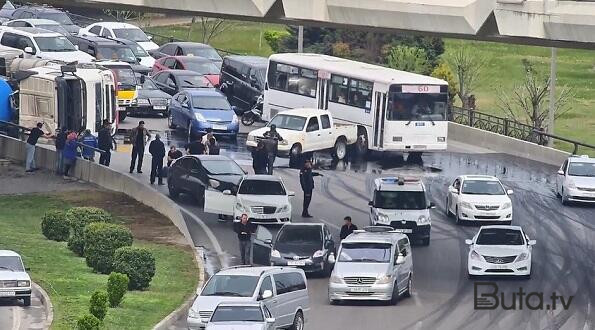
(226, 192)
(234, 108)
(560, 172)
(400, 260)
(150, 37)
(28, 50)
(371, 203)
(185, 105)
(510, 191)
(76, 47)
(29, 268)
(468, 241)
(532, 242)
(270, 320)
(268, 241)
(267, 294)
(331, 258)
(291, 193)
(432, 206)
(453, 190)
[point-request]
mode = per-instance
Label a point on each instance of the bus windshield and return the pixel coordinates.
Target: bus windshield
(416, 106)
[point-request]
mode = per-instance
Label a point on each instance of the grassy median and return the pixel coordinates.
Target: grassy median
(70, 283)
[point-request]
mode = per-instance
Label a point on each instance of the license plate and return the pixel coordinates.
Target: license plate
(7, 293)
(404, 231)
(501, 267)
(359, 289)
(121, 108)
(220, 127)
(420, 124)
(159, 107)
(296, 263)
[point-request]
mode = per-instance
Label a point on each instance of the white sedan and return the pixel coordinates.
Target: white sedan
(500, 250)
(575, 181)
(264, 199)
(479, 198)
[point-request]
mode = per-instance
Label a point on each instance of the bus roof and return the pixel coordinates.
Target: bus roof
(354, 69)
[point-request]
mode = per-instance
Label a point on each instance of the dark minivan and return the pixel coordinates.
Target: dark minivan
(242, 79)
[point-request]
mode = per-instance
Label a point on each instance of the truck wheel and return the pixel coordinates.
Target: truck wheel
(340, 149)
(27, 301)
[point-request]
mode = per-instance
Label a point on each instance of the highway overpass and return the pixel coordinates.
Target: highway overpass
(536, 22)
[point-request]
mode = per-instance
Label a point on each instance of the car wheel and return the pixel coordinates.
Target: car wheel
(564, 198)
(298, 321)
(170, 121)
(340, 149)
(394, 299)
(27, 301)
(173, 193)
(247, 118)
(409, 290)
(458, 218)
(447, 209)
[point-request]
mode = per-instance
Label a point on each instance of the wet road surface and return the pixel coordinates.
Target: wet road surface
(15, 316)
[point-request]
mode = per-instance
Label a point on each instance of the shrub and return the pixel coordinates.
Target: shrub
(410, 59)
(98, 304)
(88, 322)
(117, 284)
(341, 49)
(78, 218)
(54, 225)
(443, 71)
(274, 38)
(101, 240)
(137, 263)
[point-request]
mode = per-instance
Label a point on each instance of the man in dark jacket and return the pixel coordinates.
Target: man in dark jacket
(138, 140)
(259, 159)
(272, 143)
(106, 143)
(157, 151)
(347, 228)
(196, 147)
(60, 143)
(244, 228)
(307, 183)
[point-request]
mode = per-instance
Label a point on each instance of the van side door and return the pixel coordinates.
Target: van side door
(270, 303)
(403, 269)
(291, 294)
(262, 243)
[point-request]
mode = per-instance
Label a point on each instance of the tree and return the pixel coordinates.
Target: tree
(528, 101)
(410, 59)
(211, 27)
(467, 67)
(122, 15)
(443, 71)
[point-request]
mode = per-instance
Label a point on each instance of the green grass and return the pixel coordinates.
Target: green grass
(70, 283)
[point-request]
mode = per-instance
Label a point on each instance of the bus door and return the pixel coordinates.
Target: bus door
(323, 89)
(379, 115)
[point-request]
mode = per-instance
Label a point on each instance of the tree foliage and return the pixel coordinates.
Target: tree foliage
(410, 59)
(467, 68)
(444, 72)
(211, 27)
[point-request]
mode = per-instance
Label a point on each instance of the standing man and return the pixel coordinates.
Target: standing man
(244, 228)
(213, 146)
(172, 155)
(307, 183)
(60, 143)
(106, 143)
(157, 151)
(259, 159)
(196, 147)
(273, 138)
(347, 228)
(137, 137)
(90, 142)
(34, 135)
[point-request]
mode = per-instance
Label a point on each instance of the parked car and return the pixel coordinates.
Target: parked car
(197, 64)
(185, 48)
(283, 290)
(575, 181)
(150, 99)
(39, 23)
(372, 264)
(6, 12)
(175, 81)
(120, 30)
(42, 44)
(241, 315)
(16, 283)
(105, 49)
(47, 13)
(500, 250)
(479, 198)
(242, 79)
(194, 174)
(139, 52)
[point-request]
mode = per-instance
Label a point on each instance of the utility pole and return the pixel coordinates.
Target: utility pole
(552, 103)
(301, 39)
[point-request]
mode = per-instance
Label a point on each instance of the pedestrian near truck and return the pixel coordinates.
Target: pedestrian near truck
(69, 154)
(139, 137)
(60, 143)
(106, 143)
(157, 151)
(307, 183)
(89, 141)
(272, 146)
(34, 135)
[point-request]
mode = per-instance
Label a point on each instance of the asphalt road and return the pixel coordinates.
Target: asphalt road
(14, 316)
(563, 259)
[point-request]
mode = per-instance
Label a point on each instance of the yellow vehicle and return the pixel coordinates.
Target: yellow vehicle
(126, 85)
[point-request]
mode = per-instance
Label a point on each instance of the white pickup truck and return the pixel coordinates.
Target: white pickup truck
(307, 130)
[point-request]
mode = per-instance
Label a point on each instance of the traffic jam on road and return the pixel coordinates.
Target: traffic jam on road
(312, 106)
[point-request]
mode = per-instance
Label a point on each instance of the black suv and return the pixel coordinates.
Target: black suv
(47, 13)
(242, 79)
(105, 49)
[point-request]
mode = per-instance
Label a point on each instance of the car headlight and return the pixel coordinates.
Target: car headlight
(282, 209)
(466, 205)
(23, 283)
(142, 101)
(318, 254)
(475, 256)
(214, 183)
(385, 279)
(193, 314)
(199, 117)
(506, 205)
(335, 279)
(240, 207)
(251, 138)
(522, 256)
(570, 183)
(423, 219)
(234, 119)
(275, 254)
(381, 217)
(167, 101)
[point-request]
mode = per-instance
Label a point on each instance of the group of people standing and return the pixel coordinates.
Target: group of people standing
(263, 157)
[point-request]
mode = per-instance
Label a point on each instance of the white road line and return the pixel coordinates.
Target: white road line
(210, 235)
(16, 318)
(330, 223)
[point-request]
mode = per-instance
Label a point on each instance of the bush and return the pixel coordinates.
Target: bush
(98, 304)
(88, 322)
(54, 225)
(274, 38)
(78, 218)
(443, 71)
(137, 263)
(410, 59)
(117, 284)
(101, 241)
(341, 49)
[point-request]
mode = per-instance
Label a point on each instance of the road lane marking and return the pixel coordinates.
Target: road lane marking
(16, 318)
(210, 235)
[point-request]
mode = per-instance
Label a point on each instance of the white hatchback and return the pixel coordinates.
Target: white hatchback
(500, 250)
(575, 181)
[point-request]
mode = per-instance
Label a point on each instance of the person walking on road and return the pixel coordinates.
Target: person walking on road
(213, 146)
(106, 143)
(307, 183)
(60, 143)
(244, 228)
(172, 155)
(69, 154)
(157, 151)
(137, 137)
(90, 142)
(259, 159)
(347, 228)
(272, 144)
(196, 147)
(34, 135)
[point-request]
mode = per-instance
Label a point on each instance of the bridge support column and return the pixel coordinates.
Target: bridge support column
(552, 105)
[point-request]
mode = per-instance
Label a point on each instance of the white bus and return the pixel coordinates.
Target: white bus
(394, 110)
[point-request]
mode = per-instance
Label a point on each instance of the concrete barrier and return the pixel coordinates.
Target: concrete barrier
(504, 144)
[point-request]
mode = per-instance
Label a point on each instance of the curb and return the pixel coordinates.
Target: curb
(46, 302)
(180, 312)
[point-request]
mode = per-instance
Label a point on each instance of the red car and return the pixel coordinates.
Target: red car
(193, 63)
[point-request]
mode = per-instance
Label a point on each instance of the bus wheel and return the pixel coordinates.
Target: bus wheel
(340, 149)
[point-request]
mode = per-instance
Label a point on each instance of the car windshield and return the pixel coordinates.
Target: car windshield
(296, 234)
(54, 44)
(61, 18)
(365, 252)
(581, 169)
(133, 34)
(138, 51)
(123, 54)
(201, 67)
(188, 81)
(205, 52)
(294, 123)
(482, 187)
(124, 76)
(149, 84)
(400, 200)
(261, 187)
(500, 236)
(222, 167)
(231, 285)
(53, 28)
(11, 263)
(210, 103)
(237, 313)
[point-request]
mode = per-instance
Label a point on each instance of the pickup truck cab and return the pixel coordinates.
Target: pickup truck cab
(307, 130)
